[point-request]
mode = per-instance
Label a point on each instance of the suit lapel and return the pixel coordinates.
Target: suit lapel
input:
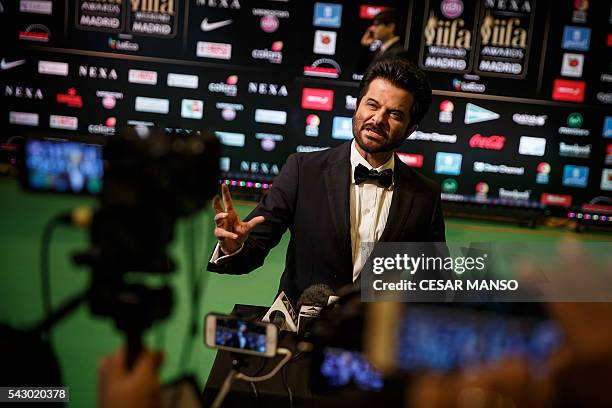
(401, 204)
(337, 183)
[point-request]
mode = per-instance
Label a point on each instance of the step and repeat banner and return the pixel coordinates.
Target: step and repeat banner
(522, 112)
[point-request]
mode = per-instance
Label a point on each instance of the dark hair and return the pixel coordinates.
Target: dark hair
(387, 17)
(405, 75)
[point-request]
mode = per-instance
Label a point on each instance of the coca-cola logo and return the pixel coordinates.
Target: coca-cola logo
(493, 142)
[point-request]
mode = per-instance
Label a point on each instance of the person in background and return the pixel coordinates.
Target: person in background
(382, 38)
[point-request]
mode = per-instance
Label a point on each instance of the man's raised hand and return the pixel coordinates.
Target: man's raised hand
(229, 230)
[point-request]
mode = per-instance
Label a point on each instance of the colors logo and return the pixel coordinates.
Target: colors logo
(446, 112)
(543, 173)
(312, 125)
(274, 55)
(482, 189)
(229, 88)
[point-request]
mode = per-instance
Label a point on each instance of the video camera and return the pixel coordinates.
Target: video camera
(145, 180)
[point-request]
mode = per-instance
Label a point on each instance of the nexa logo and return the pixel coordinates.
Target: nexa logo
(232, 4)
(522, 6)
(262, 88)
(97, 72)
(258, 167)
(23, 92)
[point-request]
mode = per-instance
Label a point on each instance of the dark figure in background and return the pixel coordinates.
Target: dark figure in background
(382, 39)
(242, 339)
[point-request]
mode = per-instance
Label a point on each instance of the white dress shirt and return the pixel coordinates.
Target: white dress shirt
(369, 206)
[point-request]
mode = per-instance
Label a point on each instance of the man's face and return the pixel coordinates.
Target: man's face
(381, 120)
(383, 31)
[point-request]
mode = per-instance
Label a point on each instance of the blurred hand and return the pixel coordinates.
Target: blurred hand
(368, 37)
(230, 231)
(138, 388)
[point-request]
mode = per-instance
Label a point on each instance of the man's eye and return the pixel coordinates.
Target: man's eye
(396, 115)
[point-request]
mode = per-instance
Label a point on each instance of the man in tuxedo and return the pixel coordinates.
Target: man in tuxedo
(334, 200)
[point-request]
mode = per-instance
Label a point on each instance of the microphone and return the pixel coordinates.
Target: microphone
(282, 314)
(310, 304)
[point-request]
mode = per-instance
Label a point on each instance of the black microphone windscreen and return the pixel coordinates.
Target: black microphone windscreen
(278, 318)
(315, 295)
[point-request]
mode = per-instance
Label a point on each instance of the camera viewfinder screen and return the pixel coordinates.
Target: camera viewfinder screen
(240, 334)
(64, 166)
(342, 368)
(445, 340)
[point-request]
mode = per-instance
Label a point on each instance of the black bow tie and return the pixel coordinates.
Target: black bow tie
(383, 178)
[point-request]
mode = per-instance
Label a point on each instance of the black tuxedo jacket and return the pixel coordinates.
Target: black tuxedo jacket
(310, 196)
(395, 50)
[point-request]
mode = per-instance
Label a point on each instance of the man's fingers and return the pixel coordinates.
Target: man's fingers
(217, 204)
(148, 362)
(255, 221)
(227, 198)
(220, 233)
(221, 216)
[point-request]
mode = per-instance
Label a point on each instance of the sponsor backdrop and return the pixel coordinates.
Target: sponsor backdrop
(522, 89)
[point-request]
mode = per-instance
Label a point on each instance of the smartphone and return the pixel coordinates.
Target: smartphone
(444, 338)
(59, 165)
(231, 333)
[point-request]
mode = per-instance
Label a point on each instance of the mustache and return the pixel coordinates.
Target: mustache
(373, 128)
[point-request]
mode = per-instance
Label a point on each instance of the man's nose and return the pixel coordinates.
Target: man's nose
(379, 117)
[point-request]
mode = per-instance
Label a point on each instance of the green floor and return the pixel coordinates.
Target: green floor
(81, 339)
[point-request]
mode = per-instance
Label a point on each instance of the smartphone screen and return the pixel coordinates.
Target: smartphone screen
(234, 334)
(61, 166)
